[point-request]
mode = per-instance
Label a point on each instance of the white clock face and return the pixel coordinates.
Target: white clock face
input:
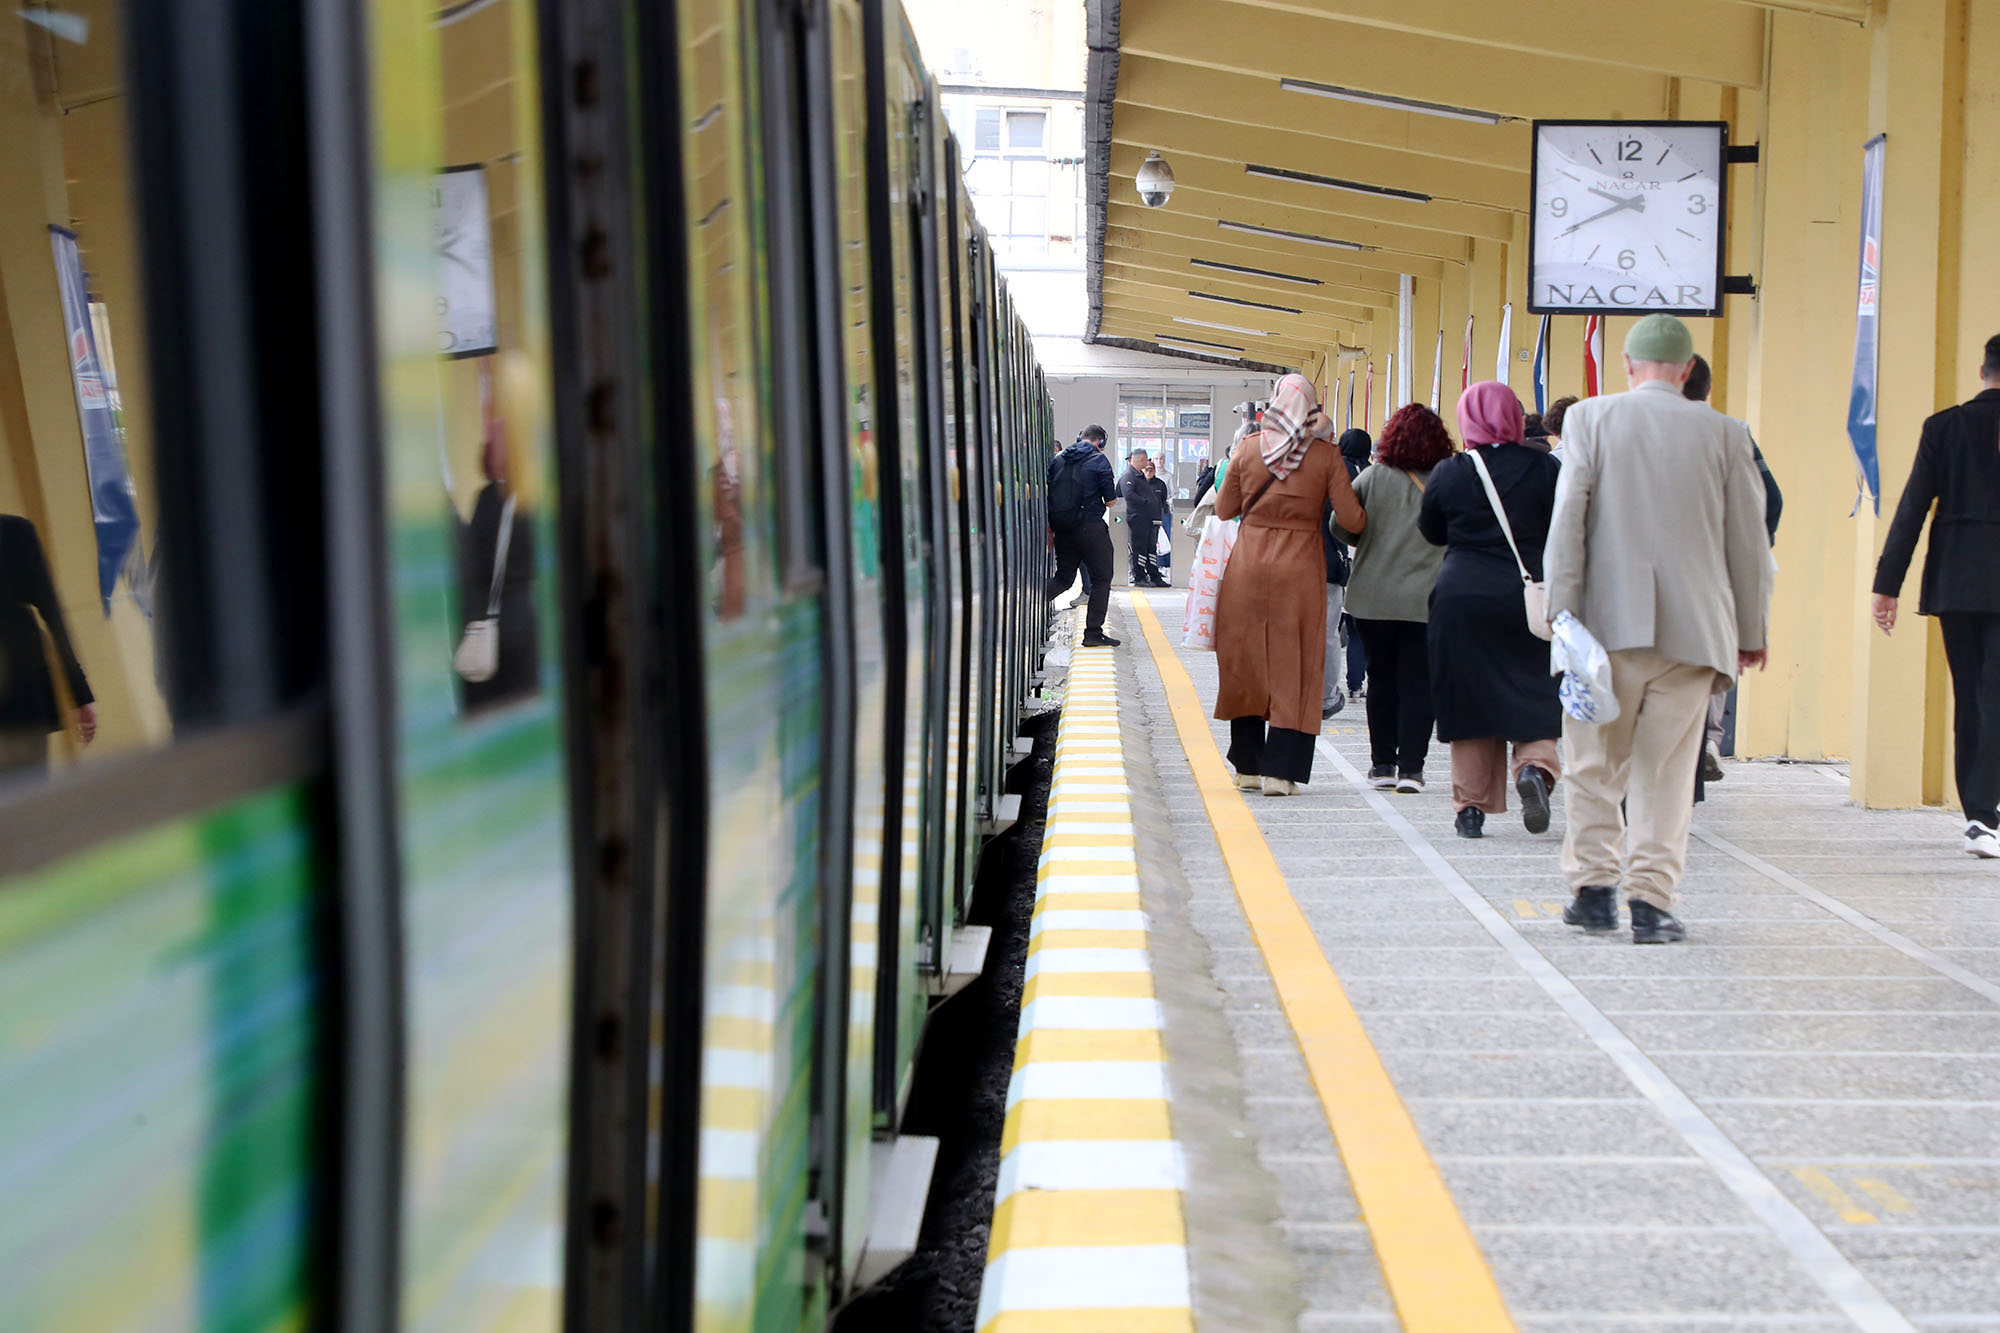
(1628, 218)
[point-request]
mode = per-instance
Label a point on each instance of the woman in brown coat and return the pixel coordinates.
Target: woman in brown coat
(1270, 617)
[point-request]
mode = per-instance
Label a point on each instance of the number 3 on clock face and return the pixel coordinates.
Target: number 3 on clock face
(1628, 217)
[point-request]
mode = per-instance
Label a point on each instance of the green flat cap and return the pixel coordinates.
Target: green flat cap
(1660, 338)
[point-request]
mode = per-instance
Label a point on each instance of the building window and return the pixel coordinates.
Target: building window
(1172, 427)
(1027, 132)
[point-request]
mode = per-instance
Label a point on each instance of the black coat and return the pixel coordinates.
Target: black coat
(520, 666)
(1145, 497)
(1958, 468)
(1489, 673)
(27, 690)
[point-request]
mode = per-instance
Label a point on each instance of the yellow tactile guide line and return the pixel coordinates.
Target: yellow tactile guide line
(1430, 1261)
(1088, 1226)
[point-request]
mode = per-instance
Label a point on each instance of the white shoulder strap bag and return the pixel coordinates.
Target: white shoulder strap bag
(1534, 596)
(478, 657)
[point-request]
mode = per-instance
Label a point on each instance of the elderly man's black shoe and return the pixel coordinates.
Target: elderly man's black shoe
(1595, 909)
(1652, 926)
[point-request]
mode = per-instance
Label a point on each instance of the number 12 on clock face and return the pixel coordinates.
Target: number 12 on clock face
(1628, 217)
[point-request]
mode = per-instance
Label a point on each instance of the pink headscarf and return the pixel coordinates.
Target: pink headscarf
(1287, 425)
(1489, 413)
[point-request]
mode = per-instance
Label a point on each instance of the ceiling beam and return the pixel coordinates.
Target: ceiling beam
(1158, 301)
(1501, 185)
(1156, 230)
(1160, 310)
(1230, 35)
(1176, 268)
(1257, 100)
(1178, 286)
(1344, 208)
(1281, 354)
(1715, 41)
(1252, 206)
(1188, 221)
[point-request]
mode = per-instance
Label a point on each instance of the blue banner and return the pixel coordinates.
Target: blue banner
(112, 506)
(1868, 331)
(1542, 366)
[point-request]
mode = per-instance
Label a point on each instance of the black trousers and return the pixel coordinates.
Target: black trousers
(1357, 657)
(1087, 544)
(1145, 556)
(1399, 693)
(1972, 650)
(1282, 753)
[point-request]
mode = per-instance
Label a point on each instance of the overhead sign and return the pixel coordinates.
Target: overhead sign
(468, 324)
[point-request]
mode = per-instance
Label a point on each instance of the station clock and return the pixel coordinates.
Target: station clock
(1628, 217)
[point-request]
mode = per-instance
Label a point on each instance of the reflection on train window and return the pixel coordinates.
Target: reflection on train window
(79, 677)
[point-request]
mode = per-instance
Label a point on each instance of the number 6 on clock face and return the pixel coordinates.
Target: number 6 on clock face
(1628, 217)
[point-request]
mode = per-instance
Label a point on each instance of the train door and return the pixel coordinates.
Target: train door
(973, 789)
(900, 996)
(757, 566)
(944, 755)
(837, 114)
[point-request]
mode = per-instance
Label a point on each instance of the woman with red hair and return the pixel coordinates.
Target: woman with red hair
(1270, 615)
(1389, 593)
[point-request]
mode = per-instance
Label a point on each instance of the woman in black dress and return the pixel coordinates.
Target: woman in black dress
(1490, 680)
(487, 564)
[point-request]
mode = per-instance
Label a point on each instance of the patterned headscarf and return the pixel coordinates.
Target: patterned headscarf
(1287, 425)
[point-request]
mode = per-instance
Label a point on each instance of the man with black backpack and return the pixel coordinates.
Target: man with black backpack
(1081, 484)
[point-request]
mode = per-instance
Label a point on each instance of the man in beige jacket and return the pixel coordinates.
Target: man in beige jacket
(1657, 546)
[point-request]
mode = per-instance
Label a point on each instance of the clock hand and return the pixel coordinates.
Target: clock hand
(1637, 201)
(1618, 208)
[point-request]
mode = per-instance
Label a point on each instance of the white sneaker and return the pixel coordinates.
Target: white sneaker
(1982, 841)
(1280, 787)
(1248, 782)
(1410, 783)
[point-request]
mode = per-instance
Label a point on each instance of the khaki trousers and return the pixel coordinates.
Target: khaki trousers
(1480, 773)
(1646, 759)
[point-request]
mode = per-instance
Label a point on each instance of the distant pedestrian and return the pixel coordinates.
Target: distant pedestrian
(42, 686)
(1552, 422)
(1080, 486)
(1270, 630)
(1204, 480)
(1657, 547)
(1144, 509)
(1490, 681)
(1958, 468)
(1534, 433)
(1163, 502)
(1359, 450)
(1389, 594)
(1701, 380)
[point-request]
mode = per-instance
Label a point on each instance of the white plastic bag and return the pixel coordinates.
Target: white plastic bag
(1211, 560)
(1585, 668)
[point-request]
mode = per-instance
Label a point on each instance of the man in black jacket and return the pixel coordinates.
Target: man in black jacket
(1142, 519)
(1080, 486)
(1958, 468)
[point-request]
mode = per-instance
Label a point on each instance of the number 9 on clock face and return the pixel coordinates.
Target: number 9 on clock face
(1628, 217)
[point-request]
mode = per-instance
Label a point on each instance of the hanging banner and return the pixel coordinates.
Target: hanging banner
(1593, 355)
(1868, 332)
(1542, 366)
(1389, 400)
(1351, 373)
(1368, 401)
(113, 510)
(1506, 342)
(1465, 362)
(1437, 372)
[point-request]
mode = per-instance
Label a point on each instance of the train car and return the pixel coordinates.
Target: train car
(523, 537)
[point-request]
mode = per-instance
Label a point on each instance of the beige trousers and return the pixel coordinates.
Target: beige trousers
(1480, 773)
(1646, 759)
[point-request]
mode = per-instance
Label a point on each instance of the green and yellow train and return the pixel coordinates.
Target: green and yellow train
(551, 672)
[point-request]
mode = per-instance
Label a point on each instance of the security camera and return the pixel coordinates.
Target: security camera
(1156, 181)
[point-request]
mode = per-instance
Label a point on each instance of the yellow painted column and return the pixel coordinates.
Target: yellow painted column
(1486, 289)
(1917, 80)
(1454, 303)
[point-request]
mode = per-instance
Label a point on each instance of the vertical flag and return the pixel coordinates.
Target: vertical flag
(1506, 342)
(1437, 372)
(1368, 401)
(1542, 366)
(1351, 373)
(1389, 399)
(1465, 363)
(1593, 355)
(114, 511)
(1868, 332)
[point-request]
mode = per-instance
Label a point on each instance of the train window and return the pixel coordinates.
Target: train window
(80, 674)
(462, 328)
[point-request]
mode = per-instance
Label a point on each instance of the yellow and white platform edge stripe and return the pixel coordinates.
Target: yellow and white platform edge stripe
(1089, 1229)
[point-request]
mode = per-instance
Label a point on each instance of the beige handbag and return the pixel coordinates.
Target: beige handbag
(1534, 596)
